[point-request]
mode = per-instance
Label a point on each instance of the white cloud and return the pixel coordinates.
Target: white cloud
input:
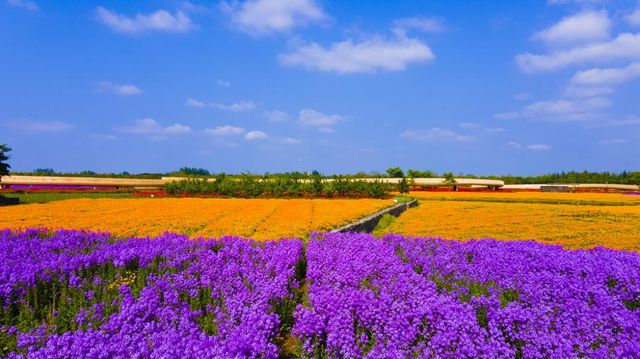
(160, 21)
(607, 76)
(567, 110)
(25, 4)
(634, 18)
(276, 116)
(434, 134)
(479, 129)
(291, 141)
(614, 141)
(259, 17)
(194, 103)
(580, 2)
(223, 83)
(123, 89)
(521, 96)
(424, 24)
(149, 126)
(177, 129)
(367, 56)
(625, 46)
(38, 126)
(103, 136)
(506, 115)
(225, 130)
(584, 91)
(586, 26)
(255, 135)
(318, 120)
(241, 106)
(532, 147)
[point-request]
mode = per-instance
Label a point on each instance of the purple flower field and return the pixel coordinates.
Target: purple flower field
(74, 294)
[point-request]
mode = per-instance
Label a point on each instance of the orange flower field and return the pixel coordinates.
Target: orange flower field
(573, 226)
(256, 218)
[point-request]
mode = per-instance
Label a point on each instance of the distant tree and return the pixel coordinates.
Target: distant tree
(395, 172)
(420, 174)
(192, 171)
(449, 178)
(4, 156)
(403, 185)
(43, 171)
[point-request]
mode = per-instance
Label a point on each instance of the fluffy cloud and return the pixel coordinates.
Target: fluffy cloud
(225, 130)
(634, 18)
(160, 21)
(366, 56)
(291, 141)
(583, 27)
(259, 17)
(223, 83)
(276, 116)
(25, 4)
(567, 110)
(255, 135)
(150, 127)
(607, 76)
(318, 120)
(38, 126)
(587, 91)
(434, 134)
(241, 106)
(424, 24)
(532, 147)
(625, 46)
(123, 89)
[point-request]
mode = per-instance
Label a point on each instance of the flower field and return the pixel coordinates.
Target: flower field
(255, 218)
(86, 294)
(573, 226)
(533, 197)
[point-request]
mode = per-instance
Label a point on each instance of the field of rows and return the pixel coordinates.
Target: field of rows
(534, 197)
(256, 218)
(346, 295)
(478, 215)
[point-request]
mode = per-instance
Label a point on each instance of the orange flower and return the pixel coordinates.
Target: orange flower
(257, 218)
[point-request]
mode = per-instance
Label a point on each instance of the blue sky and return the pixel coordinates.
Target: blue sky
(499, 87)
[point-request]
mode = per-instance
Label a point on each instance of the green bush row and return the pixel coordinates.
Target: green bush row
(248, 186)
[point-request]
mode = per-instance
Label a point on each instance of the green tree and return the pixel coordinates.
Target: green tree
(4, 166)
(403, 185)
(395, 172)
(449, 178)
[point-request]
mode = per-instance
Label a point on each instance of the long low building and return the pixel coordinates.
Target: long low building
(576, 186)
(157, 183)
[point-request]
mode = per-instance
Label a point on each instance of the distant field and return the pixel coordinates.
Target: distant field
(467, 215)
(257, 218)
(533, 197)
(44, 197)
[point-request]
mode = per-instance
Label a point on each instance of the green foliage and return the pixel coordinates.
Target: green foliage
(44, 171)
(4, 166)
(192, 171)
(421, 174)
(403, 185)
(449, 178)
(290, 185)
(395, 172)
(385, 221)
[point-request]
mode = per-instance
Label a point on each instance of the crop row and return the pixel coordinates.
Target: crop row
(70, 294)
(251, 187)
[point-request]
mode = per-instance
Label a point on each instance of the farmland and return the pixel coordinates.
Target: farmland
(608, 220)
(347, 295)
(257, 218)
